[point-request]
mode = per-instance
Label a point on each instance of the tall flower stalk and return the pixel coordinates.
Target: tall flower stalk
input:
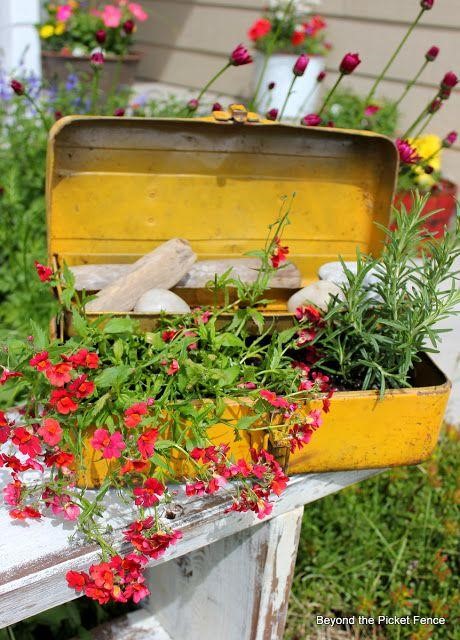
(349, 63)
(424, 7)
(297, 71)
(430, 56)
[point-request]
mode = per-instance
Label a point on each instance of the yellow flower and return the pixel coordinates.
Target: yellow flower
(428, 148)
(74, 4)
(47, 31)
(60, 28)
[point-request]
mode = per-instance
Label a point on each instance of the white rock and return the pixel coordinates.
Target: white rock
(157, 300)
(333, 271)
(317, 293)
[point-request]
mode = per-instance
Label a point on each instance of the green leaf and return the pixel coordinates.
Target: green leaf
(257, 318)
(79, 324)
(246, 422)
(113, 376)
(41, 338)
(228, 376)
(228, 340)
(118, 349)
(119, 325)
(163, 445)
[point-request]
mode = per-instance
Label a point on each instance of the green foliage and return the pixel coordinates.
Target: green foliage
(346, 111)
(388, 546)
(391, 307)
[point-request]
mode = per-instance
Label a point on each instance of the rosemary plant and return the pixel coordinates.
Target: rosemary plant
(392, 306)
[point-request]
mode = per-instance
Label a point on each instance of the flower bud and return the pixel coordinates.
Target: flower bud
(120, 112)
(444, 94)
(128, 27)
(271, 86)
(300, 65)
(240, 56)
(450, 139)
(193, 104)
(427, 4)
(435, 105)
(320, 77)
(101, 36)
(311, 120)
(58, 115)
(217, 107)
(17, 87)
(428, 169)
(449, 81)
(97, 59)
(371, 109)
(349, 63)
(432, 54)
(272, 114)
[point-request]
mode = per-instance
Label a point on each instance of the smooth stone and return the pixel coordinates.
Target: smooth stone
(317, 293)
(157, 300)
(334, 272)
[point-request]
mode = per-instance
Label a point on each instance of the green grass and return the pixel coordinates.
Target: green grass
(388, 546)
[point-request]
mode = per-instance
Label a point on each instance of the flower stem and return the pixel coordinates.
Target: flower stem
(424, 126)
(330, 94)
(417, 120)
(95, 90)
(307, 100)
(213, 79)
(288, 95)
(38, 110)
(410, 84)
(392, 58)
(253, 102)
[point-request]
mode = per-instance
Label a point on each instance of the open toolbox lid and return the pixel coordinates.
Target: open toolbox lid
(118, 187)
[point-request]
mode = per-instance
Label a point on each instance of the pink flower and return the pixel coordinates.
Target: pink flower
(101, 36)
(407, 153)
(146, 443)
(273, 399)
(320, 77)
(217, 107)
(311, 120)
(449, 81)
(173, 368)
(51, 431)
(111, 16)
(427, 4)
(63, 13)
(149, 494)
(300, 65)
(43, 272)
(18, 89)
(64, 507)
(349, 63)
(137, 11)
(450, 139)
(97, 59)
(371, 110)
(240, 56)
(432, 54)
(193, 104)
(12, 493)
(111, 445)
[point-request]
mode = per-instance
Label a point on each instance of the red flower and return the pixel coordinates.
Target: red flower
(432, 54)
(272, 114)
(300, 65)
(308, 312)
(7, 374)
(85, 358)
(111, 445)
(321, 75)
(27, 442)
(169, 335)
(407, 153)
(449, 81)
(217, 107)
(97, 59)
(435, 105)
(59, 374)
(146, 442)
(44, 273)
(135, 466)
(315, 24)
(128, 27)
(297, 37)
(427, 4)
(40, 361)
(206, 455)
(173, 368)
(371, 110)
(311, 120)
(81, 387)
(133, 415)
(279, 254)
(60, 459)
(259, 29)
(450, 139)
(5, 428)
(349, 63)
(101, 36)
(240, 56)
(51, 431)
(76, 580)
(149, 494)
(273, 399)
(197, 488)
(63, 401)
(17, 87)
(119, 113)
(26, 512)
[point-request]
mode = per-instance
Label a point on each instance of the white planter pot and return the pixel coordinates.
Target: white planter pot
(279, 71)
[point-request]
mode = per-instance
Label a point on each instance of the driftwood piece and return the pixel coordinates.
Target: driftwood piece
(161, 268)
(94, 277)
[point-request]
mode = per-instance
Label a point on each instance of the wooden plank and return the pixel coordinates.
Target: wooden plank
(138, 625)
(33, 568)
(235, 589)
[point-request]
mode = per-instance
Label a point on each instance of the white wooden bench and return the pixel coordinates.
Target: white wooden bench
(227, 579)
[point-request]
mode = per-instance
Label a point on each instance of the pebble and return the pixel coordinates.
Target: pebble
(157, 300)
(317, 293)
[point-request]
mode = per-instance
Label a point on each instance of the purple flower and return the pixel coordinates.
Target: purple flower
(300, 65)
(407, 153)
(450, 139)
(240, 56)
(349, 63)
(311, 120)
(72, 82)
(272, 114)
(432, 54)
